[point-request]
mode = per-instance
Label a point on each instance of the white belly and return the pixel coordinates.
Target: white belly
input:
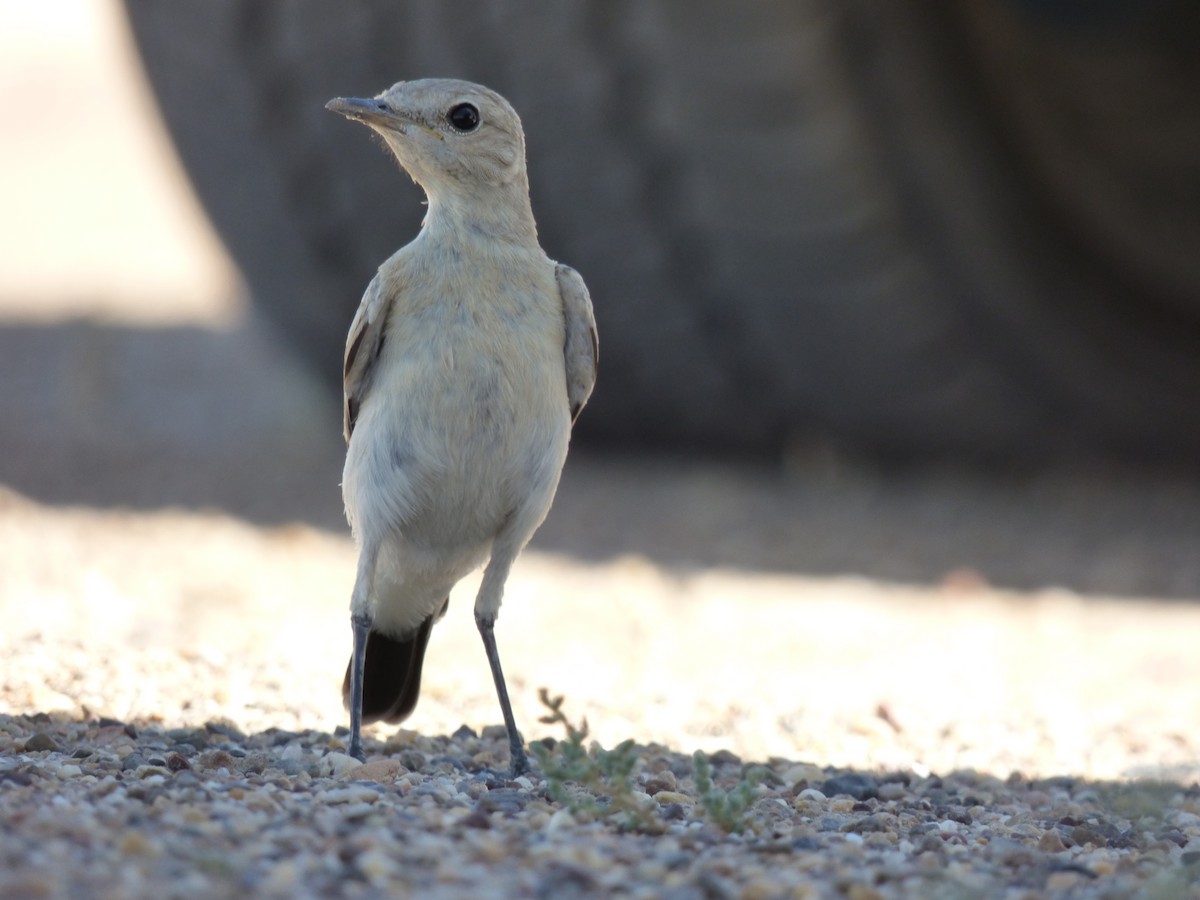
(451, 440)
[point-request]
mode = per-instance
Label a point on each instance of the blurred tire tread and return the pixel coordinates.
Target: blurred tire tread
(908, 229)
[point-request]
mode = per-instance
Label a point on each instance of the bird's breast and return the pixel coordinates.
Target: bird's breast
(467, 408)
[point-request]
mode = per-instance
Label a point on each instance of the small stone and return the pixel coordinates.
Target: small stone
(505, 800)
(104, 787)
(803, 772)
(1050, 842)
(932, 843)
(254, 763)
(1174, 836)
(291, 766)
(663, 781)
(40, 742)
(855, 785)
(413, 760)
(69, 771)
(868, 824)
(1061, 882)
(283, 879)
(132, 762)
(1085, 834)
(383, 771)
(494, 733)
(134, 843)
(725, 758)
(892, 791)
(177, 763)
(216, 759)
(673, 812)
(476, 818)
(227, 731)
(560, 820)
(338, 764)
(665, 797)
(1012, 853)
(351, 794)
(377, 865)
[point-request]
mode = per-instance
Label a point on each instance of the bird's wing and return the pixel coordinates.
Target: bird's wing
(582, 348)
(362, 349)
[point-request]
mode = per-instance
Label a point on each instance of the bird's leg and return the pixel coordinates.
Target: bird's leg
(361, 625)
(519, 763)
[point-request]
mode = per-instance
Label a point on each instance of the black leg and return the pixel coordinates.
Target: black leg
(361, 626)
(519, 763)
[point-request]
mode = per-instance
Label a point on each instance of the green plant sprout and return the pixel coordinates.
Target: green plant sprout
(725, 809)
(597, 772)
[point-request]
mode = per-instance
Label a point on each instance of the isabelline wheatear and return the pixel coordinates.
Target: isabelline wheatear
(467, 362)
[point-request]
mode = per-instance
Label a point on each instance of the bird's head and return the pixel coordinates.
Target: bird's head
(447, 134)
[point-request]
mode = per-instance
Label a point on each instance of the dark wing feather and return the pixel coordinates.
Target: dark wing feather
(581, 351)
(363, 346)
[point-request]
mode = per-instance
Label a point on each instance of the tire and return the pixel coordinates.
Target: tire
(802, 223)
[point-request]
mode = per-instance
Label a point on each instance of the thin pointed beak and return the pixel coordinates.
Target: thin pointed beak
(371, 112)
(377, 115)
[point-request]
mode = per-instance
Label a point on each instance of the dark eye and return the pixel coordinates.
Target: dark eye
(464, 117)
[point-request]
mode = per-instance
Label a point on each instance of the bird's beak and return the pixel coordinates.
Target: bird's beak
(375, 113)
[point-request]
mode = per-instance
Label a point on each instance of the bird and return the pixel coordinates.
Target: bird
(467, 364)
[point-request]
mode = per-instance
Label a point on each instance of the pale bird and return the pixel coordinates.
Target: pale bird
(468, 360)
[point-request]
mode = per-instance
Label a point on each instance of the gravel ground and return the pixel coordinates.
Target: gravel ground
(109, 809)
(170, 726)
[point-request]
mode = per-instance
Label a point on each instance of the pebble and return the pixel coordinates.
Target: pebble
(664, 798)
(338, 764)
(853, 784)
(40, 742)
(804, 773)
(380, 770)
(1050, 842)
(664, 781)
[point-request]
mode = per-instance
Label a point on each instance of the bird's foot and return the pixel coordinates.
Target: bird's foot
(519, 761)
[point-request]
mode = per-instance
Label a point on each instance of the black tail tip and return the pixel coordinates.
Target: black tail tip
(391, 675)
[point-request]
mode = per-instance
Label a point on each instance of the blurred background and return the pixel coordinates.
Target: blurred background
(906, 230)
(899, 308)
(898, 292)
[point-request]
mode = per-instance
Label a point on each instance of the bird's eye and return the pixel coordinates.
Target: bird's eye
(463, 117)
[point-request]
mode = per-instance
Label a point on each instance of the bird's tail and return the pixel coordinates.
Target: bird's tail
(392, 674)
